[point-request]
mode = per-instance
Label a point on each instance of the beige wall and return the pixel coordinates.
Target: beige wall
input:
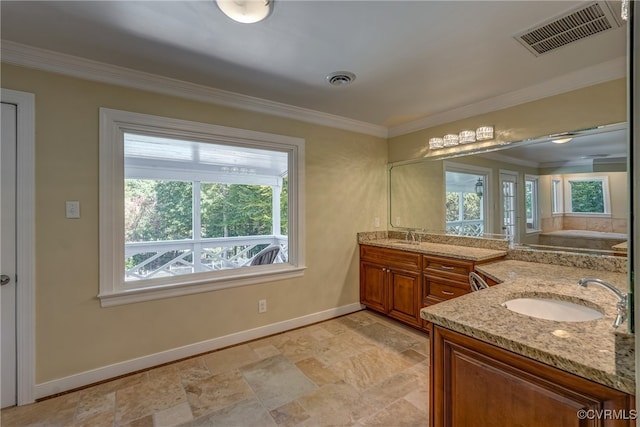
(345, 189)
(604, 103)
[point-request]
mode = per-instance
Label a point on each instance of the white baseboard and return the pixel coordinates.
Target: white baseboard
(117, 369)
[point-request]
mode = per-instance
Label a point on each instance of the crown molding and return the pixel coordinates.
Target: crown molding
(47, 60)
(589, 76)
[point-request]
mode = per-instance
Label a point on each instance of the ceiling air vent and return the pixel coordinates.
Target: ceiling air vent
(590, 19)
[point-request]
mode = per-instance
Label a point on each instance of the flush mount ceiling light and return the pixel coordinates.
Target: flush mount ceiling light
(341, 78)
(561, 140)
(246, 11)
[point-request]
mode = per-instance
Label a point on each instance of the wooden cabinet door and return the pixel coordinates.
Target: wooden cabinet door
(373, 283)
(477, 384)
(404, 296)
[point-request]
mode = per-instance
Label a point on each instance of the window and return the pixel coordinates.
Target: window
(556, 196)
(532, 209)
(465, 200)
(187, 207)
(588, 196)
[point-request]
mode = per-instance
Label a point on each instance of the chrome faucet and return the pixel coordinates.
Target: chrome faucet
(621, 306)
(411, 236)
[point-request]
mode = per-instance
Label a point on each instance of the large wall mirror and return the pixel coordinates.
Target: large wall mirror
(567, 191)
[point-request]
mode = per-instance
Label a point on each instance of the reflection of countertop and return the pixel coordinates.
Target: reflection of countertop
(586, 349)
(620, 247)
(429, 248)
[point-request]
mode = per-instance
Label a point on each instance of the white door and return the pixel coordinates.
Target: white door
(509, 205)
(8, 253)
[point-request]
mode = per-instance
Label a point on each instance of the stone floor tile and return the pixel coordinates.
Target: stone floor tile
(217, 392)
(366, 369)
(387, 336)
(289, 415)
(95, 403)
(276, 381)
(230, 358)
(399, 413)
(249, 413)
(145, 398)
(58, 411)
(174, 416)
(334, 405)
(317, 372)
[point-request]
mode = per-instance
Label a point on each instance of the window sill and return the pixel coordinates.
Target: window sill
(588, 215)
(130, 296)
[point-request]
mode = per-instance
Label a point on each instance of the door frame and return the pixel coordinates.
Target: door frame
(517, 212)
(25, 236)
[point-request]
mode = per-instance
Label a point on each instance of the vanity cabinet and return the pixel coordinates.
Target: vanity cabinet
(391, 283)
(445, 278)
(476, 383)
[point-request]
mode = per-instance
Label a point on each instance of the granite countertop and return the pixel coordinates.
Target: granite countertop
(591, 349)
(440, 249)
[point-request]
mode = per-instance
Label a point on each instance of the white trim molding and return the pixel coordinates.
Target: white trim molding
(86, 378)
(47, 60)
(114, 290)
(25, 228)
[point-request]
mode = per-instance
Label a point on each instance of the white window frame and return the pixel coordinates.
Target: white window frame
(557, 196)
(113, 288)
(605, 195)
(535, 204)
(487, 198)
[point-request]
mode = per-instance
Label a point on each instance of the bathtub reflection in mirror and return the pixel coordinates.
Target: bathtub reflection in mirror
(570, 196)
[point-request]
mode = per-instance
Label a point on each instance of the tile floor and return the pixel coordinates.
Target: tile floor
(358, 370)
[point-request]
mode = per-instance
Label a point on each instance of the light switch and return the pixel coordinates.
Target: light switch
(72, 209)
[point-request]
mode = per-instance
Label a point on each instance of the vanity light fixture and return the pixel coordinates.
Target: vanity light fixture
(246, 11)
(435, 143)
(561, 140)
(450, 140)
(483, 133)
(467, 136)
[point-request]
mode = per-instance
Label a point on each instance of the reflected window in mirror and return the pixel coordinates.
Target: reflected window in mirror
(532, 207)
(466, 194)
(557, 207)
(508, 182)
(588, 196)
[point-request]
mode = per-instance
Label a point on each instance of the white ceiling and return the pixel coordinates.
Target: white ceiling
(586, 147)
(412, 59)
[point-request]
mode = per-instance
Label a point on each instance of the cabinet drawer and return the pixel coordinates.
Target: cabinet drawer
(391, 257)
(444, 291)
(446, 267)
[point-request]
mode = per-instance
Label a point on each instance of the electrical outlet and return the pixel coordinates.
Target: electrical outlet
(72, 209)
(262, 306)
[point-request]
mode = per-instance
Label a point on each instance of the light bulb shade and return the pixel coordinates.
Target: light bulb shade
(246, 11)
(561, 140)
(466, 136)
(435, 143)
(450, 140)
(484, 133)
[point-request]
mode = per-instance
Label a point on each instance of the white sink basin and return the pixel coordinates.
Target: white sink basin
(551, 309)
